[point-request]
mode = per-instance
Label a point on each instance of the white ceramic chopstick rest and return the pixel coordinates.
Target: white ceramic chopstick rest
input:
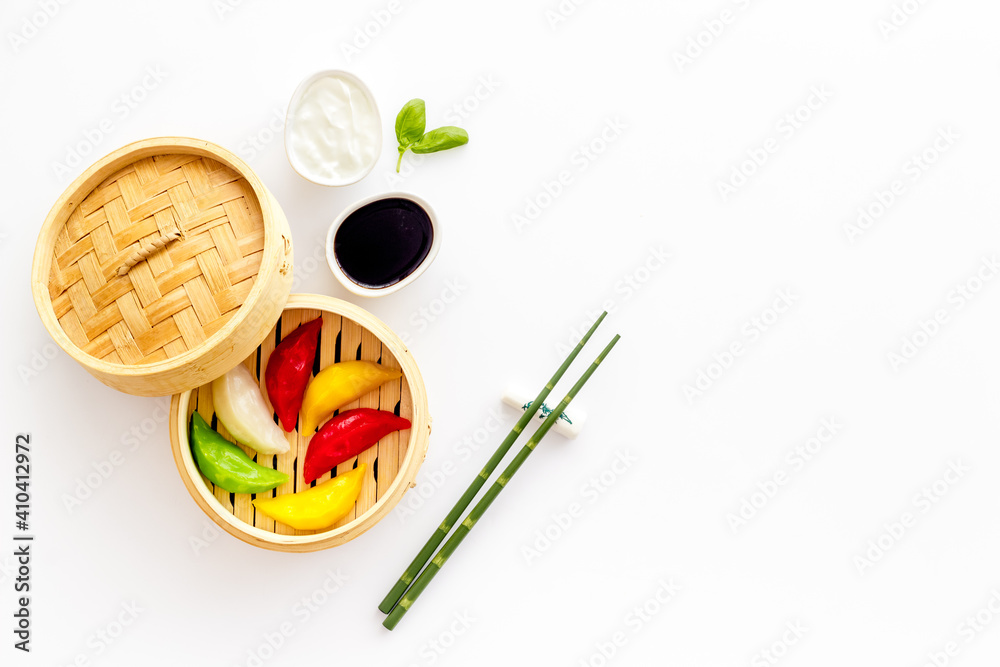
(568, 425)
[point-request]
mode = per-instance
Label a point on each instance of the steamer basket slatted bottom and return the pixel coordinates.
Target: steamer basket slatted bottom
(348, 333)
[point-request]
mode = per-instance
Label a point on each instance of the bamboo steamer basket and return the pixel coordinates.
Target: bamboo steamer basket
(348, 332)
(162, 266)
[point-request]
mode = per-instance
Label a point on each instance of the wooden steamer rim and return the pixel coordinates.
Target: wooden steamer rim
(219, 350)
(405, 478)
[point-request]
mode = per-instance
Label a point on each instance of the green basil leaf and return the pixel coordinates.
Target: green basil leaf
(441, 139)
(410, 122)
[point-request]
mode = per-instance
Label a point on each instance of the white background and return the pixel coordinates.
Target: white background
(226, 76)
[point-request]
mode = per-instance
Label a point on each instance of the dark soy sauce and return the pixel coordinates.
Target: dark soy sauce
(383, 242)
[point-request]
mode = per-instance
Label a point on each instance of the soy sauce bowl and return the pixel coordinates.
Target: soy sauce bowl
(357, 261)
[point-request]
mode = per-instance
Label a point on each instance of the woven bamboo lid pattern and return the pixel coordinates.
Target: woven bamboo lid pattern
(159, 257)
(198, 226)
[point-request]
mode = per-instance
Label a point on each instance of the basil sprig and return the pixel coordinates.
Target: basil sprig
(410, 124)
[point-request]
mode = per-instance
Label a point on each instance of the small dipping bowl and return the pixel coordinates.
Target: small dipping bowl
(382, 243)
(299, 116)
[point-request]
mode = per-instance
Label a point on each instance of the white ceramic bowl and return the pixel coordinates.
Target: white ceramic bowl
(361, 290)
(290, 123)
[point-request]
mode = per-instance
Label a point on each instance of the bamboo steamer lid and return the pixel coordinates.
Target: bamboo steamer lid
(162, 266)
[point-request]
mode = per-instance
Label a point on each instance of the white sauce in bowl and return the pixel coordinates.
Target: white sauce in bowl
(333, 134)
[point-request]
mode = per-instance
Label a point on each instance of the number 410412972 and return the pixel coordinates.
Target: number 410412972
(22, 479)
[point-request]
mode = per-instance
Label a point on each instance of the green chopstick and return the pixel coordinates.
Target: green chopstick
(442, 531)
(477, 512)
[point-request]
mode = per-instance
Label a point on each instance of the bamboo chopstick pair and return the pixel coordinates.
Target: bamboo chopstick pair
(409, 587)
